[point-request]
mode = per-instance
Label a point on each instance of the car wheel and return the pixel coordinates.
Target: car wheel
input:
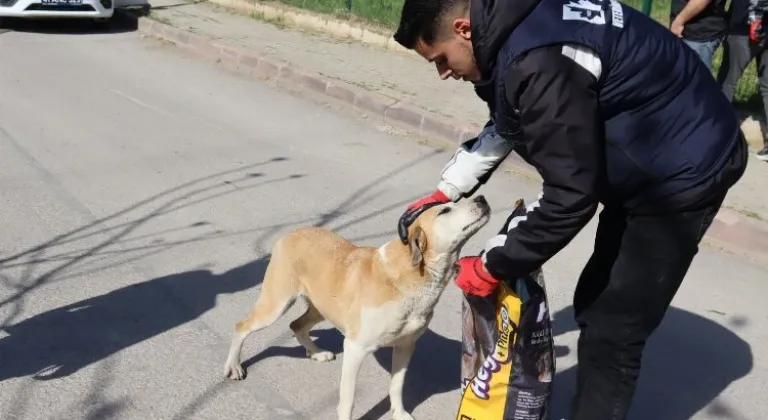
(101, 23)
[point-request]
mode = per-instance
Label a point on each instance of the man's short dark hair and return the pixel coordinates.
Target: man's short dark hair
(422, 19)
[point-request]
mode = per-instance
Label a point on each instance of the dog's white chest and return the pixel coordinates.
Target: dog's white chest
(385, 325)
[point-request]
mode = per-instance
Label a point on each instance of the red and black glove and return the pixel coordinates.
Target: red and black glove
(414, 210)
(473, 278)
(756, 32)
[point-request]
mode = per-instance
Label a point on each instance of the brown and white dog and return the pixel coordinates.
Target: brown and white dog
(376, 297)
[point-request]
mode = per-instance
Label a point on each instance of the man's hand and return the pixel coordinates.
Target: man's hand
(692, 9)
(415, 209)
(473, 278)
(677, 28)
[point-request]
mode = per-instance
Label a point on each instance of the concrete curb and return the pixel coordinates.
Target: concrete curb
(730, 230)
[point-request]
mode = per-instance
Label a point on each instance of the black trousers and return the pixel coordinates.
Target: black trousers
(622, 295)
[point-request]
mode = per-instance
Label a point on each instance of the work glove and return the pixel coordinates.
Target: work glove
(473, 278)
(757, 32)
(415, 209)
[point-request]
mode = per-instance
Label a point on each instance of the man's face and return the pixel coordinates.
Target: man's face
(452, 52)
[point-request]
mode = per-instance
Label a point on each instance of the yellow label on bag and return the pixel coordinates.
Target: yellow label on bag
(485, 396)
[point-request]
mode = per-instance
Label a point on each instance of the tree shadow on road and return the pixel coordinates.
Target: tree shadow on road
(83, 250)
(62, 341)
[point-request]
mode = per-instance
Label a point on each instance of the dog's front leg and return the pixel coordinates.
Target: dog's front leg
(351, 362)
(401, 356)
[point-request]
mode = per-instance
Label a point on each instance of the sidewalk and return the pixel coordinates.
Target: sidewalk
(403, 87)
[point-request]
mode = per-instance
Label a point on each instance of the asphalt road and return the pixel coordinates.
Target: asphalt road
(141, 192)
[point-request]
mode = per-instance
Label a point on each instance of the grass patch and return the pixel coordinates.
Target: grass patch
(385, 14)
(278, 21)
(747, 212)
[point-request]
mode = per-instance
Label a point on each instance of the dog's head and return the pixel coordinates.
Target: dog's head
(444, 229)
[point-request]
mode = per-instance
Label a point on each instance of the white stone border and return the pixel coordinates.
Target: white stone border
(308, 20)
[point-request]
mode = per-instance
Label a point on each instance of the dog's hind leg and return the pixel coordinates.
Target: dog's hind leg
(301, 327)
(278, 294)
(264, 314)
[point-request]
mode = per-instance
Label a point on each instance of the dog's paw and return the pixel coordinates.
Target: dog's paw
(235, 371)
(402, 415)
(322, 356)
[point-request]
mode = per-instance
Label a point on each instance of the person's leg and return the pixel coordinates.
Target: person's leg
(736, 57)
(594, 279)
(703, 49)
(762, 77)
(621, 299)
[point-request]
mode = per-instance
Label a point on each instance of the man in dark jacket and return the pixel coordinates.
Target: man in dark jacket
(610, 107)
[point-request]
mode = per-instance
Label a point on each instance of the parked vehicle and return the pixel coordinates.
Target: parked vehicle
(100, 10)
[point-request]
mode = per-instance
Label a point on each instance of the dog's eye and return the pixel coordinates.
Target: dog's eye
(444, 210)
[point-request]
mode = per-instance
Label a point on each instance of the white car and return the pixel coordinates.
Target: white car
(89, 9)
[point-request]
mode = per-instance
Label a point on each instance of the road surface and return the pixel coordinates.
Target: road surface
(141, 192)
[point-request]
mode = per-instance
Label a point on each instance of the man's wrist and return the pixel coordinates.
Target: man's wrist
(482, 272)
(450, 192)
(440, 196)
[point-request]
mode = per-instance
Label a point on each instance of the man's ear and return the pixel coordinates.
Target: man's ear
(462, 27)
(418, 245)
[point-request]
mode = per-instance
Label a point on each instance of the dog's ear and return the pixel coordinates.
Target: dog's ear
(418, 245)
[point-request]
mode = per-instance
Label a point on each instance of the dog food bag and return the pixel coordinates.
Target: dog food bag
(508, 359)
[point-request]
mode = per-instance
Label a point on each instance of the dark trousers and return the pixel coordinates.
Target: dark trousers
(738, 51)
(636, 268)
